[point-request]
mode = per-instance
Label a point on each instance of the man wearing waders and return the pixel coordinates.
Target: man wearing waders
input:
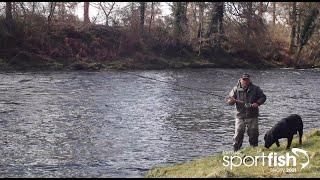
(248, 98)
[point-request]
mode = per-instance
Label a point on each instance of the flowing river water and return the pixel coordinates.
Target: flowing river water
(113, 124)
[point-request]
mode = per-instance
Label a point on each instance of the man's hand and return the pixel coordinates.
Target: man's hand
(231, 100)
(254, 105)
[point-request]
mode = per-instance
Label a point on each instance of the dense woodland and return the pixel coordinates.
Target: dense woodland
(49, 35)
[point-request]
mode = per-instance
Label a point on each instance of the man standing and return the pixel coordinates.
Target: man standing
(247, 97)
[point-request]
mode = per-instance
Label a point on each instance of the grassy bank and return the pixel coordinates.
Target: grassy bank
(25, 61)
(212, 166)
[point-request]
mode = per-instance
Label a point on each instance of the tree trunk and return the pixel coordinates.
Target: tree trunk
(33, 8)
(62, 11)
(134, 22)
(213, 21)
(86, 18)
(184, 19)
(32, 13)
(14, 10)
(274, 13)
(180, 21)
(293, 18)
(8, 12)
(24, 13)
(106, 14)
(260, 13)
(220, 14)
(200, 26)
(51, 12)
(309, 26)
(142, 12)
(298, 27)
(177, 19)
(216, 24)
(151, 15)
(249, 18)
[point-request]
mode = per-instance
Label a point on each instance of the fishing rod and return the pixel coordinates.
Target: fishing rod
(175, 84)
(246, 105)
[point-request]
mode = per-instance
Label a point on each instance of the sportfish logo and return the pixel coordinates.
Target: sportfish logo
(272, 160)
(296, 152)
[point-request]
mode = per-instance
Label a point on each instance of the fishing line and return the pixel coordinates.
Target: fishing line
(175, 84)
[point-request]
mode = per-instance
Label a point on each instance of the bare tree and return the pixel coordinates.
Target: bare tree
(274, 13)
(133, 16)
(249, 17)
(180, 20)
(200, 25)
(107, 8)
(61, 11)
(142, 13)
(261, 9)
(33, 7)
(24, 11)
(298, 25)
(151, 15)
(52, 6)
(293, 21)
(14, 9)
(86, 18)
(311, 21)
(216, 23)
(8, 12)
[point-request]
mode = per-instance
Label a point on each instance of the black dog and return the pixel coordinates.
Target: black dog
(285, 128)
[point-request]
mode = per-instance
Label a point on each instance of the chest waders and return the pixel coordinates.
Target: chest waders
(245, 102)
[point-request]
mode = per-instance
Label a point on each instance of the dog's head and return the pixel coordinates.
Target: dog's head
(268, 140)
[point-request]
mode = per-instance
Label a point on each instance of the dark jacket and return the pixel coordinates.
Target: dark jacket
(253, 94)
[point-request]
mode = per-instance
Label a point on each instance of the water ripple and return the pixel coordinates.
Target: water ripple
(112, 124)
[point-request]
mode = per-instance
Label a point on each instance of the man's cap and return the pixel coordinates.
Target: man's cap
(245, 76)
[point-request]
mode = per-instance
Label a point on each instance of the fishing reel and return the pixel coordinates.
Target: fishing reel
(247, 105)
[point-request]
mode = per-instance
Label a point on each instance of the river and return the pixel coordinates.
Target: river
(114, 124)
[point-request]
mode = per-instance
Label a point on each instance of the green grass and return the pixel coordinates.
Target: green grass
(114, 64)
(317, 64)
(212, 166)
(3, 62)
